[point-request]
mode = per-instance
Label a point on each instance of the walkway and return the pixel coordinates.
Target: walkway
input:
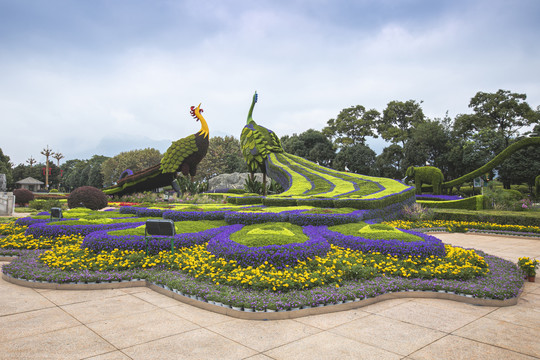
(138, 323)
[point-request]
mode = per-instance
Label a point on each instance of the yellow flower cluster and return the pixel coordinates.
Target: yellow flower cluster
(338, 265)
(402, 224)
(11, 228)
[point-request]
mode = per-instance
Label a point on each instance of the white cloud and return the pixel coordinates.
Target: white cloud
(306, 67)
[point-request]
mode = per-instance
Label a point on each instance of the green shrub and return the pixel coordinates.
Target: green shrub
(53, 191)
(248, 200)
(277, 201)
(272, 233)
(47, 204)
(491, 216)
(236, 191)
(321, 203)
(88, 197)
(23, 196)
(417, 212)
(471, 203)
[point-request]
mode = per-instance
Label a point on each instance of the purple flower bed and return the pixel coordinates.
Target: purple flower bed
(303, 218)
(145, 212)
(101, 241)
(279, 256)
(429, 246)
(27, 221)
(432, 197)
(54, 231)
(194, 215)
(128, 210)
(248, 218)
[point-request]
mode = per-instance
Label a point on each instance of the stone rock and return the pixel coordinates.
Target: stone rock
(235, 180)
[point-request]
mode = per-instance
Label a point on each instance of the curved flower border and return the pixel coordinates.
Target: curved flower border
(429, 246)
(279, 256)
(101, 241)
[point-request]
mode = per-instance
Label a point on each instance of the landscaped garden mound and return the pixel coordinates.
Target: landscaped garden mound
(257, 262)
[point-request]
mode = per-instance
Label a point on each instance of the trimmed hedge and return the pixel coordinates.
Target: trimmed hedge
(472, 203)
(500, 217)
(496, 161)
(277, 201)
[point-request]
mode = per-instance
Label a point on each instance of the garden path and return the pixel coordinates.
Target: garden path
(138, 323)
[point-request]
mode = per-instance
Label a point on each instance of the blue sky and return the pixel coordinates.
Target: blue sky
(101, 77)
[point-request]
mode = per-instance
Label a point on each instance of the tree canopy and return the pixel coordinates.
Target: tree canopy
(312, 145)
(352, 126)
(224, 156)
(399, 120)
(134, 160)
(503, 111)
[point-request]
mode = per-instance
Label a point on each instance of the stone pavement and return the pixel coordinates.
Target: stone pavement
(137, 323)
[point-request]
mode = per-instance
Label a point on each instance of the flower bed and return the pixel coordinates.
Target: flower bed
(101, 241)
(430, 246)
(279, 256)
(54, 231)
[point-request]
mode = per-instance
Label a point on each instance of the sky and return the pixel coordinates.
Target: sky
(101, 77)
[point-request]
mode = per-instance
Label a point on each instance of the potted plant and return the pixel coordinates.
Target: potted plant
(528, 266)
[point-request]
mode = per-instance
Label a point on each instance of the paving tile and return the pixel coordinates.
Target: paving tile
(457, 348)
(65, 297)
(34, 322)
(384, 305)
(198, 316)
(328, 346)
(450, 305)
(328, 321)
(429, 316)
(529, 300)
(521, 314)
(259, 357)
(156, 299)
(113, 355)
(506, 335)
(388, 334)
(110, 308)
(73, 343)
(198, 344)
(140, 328)
(263, 335)
(16, 299)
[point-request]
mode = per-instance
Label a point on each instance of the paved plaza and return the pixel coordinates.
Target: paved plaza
(138, 323)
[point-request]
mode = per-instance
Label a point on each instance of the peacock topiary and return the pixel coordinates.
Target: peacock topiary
(257, 142)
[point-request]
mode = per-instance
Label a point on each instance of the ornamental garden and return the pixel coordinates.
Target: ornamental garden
(330, 237)
(255, 257)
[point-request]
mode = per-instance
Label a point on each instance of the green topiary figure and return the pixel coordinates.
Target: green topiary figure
(88, 197)
(182, 156)
(257, 142)
(23, 196)
(425, 175)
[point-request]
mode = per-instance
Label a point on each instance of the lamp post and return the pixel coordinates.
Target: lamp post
(47, 152)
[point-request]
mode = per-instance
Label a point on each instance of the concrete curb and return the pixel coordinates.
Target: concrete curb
(279, 315)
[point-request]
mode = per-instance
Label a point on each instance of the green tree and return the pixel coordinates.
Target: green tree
(504, 111)
(399, 119)
(388, 163)
(6, 168)
(224, 156)
(358, 158)
(523, 166)
(134, 160)
(428, 145)
(312, 145)
(352, 126)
